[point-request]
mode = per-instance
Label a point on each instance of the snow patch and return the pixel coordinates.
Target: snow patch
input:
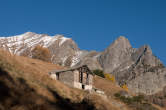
(76, 58)
(18, 43)
(49, 41)
(63, 60)
(63, 39)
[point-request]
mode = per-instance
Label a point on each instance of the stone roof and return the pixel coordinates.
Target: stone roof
(72, 69)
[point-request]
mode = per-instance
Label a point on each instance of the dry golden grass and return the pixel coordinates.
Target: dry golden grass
(107, 86)
(35, 73)
(158, 107)
(110, 88)
(98, 102)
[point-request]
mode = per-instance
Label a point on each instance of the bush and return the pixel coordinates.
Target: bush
(124, 86)
(136, 102)
(138, 98)
(99, 73)
(41, 53)
(110, 77)
(117, 95)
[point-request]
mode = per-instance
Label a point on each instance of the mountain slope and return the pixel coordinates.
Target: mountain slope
(138, 68)
(63, 50)
(28, 79)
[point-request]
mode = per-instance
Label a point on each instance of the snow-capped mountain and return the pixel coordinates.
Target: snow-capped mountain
(63, 50)
(30, 40)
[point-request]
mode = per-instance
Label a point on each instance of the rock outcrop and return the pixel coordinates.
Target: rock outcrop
(141, 71)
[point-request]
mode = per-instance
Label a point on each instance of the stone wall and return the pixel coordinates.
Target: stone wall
(78, 85)
(53, 76)
(88, 87)
(84, 80)
(72, 79)
(90, 81)
(76, 76)
(67, 78)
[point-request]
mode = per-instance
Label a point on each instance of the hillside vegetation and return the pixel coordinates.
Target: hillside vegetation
(25, 85)
(41, 53)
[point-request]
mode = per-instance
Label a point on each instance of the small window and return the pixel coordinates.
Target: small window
(83, 86)
(57, 75)
(87, 79)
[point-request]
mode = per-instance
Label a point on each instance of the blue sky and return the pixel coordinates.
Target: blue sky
(93, 24)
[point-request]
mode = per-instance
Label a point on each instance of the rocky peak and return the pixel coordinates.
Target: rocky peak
(144, 50)
(29, 33)
(116, 54)
(121, 42)
(148, 49)
(145, 56)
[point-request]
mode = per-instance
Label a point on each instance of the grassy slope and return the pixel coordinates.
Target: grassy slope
(110, 89)
(25, 85)
(106, 85)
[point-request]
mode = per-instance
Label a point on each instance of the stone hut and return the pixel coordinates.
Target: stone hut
(79, 77)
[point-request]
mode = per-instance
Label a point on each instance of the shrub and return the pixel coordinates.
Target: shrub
(110, 77)
(128, 100)
(161, 65)
(41, 53)
(117, 95)
(124, 86)
(165, 96)
(138, 98)
(136, 102)
(99, 73)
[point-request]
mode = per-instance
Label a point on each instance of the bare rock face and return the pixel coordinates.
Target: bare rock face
(158, 98)
(146, 74)
(115, 55)
(63, 54)
(138, 68)
(90, 59)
